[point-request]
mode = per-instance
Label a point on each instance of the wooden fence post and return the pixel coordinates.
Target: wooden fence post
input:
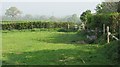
(108, 34)
(68, 26)
(75, 26)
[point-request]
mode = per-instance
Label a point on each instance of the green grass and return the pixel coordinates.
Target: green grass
(49, 48)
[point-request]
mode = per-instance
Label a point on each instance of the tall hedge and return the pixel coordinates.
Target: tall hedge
(31, 25)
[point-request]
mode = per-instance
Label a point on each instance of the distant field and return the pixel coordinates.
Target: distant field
(48, 48)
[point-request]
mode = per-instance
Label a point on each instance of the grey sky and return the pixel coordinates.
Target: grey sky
(51, 8)
(53, 0)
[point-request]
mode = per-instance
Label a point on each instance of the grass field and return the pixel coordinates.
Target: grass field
(49, 48)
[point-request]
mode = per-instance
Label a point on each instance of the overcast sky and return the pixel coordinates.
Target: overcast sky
(52, 8)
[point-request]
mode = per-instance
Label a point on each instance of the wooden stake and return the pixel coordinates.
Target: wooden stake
(68, 26)
(108, 39)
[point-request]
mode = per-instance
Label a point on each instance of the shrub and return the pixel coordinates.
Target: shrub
(112, 51)
(111, 19)
(97, 21)
(62, 30)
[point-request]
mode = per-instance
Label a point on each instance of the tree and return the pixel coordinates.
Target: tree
(107, 7)
(43, 17)
(74, 18)
(69, 19)
(84, 16)
(99, 8)
(28, 17)
(12, 12)
(53, 18)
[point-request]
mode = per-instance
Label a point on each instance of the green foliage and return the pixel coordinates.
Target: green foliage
(101, 39)
(99, 8)
(107, 7)
(82, 32)
(114, 19)
(67, 30)
(62, 30)
(97, 21)
(37, 24)
(112, 50)
(84, 15)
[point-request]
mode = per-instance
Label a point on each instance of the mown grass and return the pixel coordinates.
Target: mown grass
(49, 48)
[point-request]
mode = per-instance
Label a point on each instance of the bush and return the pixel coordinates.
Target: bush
(62, 30)
(111, 20)
(82, 32)
(112, 51)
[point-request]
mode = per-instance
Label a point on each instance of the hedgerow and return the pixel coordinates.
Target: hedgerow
(31, 25)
